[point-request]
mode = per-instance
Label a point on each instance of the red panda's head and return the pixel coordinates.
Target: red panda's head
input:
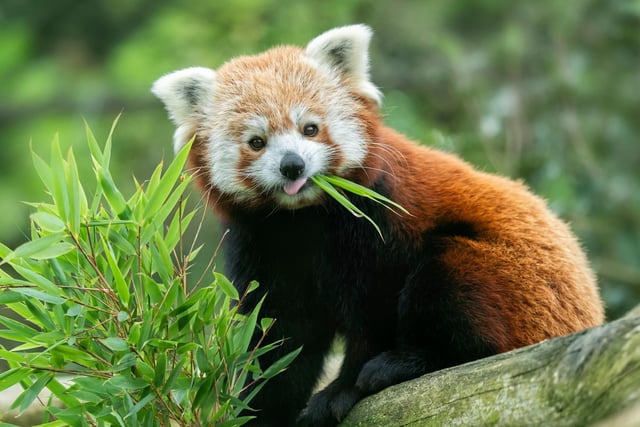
(266, 123)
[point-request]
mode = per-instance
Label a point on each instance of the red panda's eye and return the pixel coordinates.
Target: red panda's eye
(310, 130)
(256, 143)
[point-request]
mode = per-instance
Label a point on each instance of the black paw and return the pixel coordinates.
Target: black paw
(328, 407)
(373, 376)
(389, 368)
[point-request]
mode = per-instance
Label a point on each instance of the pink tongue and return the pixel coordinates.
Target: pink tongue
(292, 188)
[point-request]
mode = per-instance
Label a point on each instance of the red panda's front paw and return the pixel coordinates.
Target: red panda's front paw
(389, 368)
(328, 407)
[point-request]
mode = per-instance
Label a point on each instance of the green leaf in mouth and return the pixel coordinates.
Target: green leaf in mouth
(333, 184)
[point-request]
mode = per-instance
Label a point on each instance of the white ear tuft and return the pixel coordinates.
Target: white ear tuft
(345, 51)
(186, 95)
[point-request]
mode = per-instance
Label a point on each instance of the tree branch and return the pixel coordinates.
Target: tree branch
(574, 380)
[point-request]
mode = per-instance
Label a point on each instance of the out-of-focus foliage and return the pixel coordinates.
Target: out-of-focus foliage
(545, 91)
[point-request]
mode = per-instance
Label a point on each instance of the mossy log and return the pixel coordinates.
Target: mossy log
(576, 380)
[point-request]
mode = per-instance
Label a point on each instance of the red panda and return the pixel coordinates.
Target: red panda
(481, 266)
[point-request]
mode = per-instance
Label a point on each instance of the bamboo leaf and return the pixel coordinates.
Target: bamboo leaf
(247, 328)
(32, 277)
(281, 364)
(226, 286)
(54, 251)
(9, 297)
(111, 192)
(141, 404)
(167, 181)
(127, 361)
(48, 222)
(77, 199)
(177, 226)
(160, 370)
(175, 372)
(238, 421)
(61, 392)
(154, 180)
(74, 310)
(162, 258)
(26, 399)
(122, 287)
(59, 188)
(115, 344)
(24, 332)
(127, 382)
(42, 314)
(331, 191)
(106, 153)
(57, 423)
(94, 148)
(4, 252)
(157, 219)
(75, 355)
(43, 170)
(98, 158)
(360, 190)
(13, 376)
(340, 198)
(36, 247)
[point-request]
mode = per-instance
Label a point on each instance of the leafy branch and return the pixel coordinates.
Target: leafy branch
(107, 318)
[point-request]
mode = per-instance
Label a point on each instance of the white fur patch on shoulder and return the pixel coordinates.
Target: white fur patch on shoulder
(345, 51)
(187, 96)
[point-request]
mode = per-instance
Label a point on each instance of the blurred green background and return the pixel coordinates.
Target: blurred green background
(545, 91)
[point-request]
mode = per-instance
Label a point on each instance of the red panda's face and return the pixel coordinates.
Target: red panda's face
(270, 122)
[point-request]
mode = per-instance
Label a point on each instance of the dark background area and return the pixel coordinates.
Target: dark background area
(546, 92)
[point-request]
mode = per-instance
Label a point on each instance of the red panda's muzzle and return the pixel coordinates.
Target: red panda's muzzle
(292, 167)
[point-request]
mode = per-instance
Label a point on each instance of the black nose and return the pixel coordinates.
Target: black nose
(291, 165)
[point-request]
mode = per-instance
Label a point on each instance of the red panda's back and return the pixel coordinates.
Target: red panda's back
(521, 271)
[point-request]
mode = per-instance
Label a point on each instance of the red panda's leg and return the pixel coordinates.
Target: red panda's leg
(286, 394)
(282, 398)
(433, 332)
(331, 405)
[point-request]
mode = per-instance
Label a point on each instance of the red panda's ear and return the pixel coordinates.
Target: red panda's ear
(345, 51)
(187, 96)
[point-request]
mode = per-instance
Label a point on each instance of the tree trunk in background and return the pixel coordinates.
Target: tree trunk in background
(575, 380)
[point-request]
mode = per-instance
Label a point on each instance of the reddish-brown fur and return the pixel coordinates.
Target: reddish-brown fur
(514, 230)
